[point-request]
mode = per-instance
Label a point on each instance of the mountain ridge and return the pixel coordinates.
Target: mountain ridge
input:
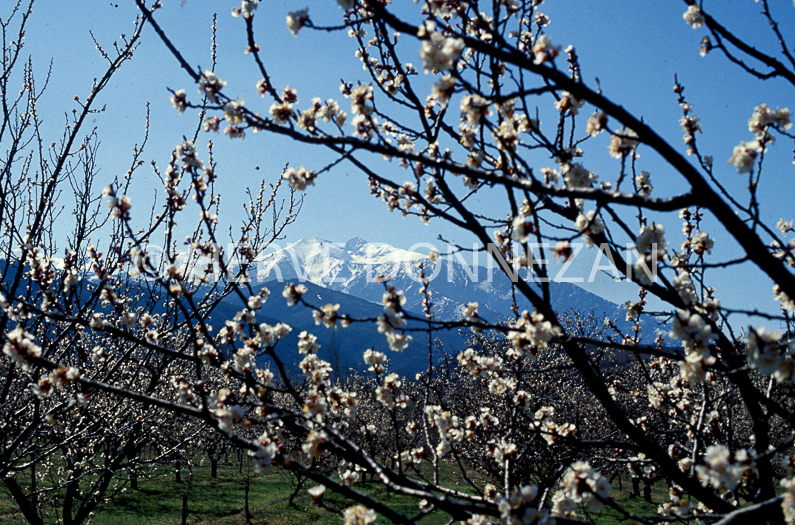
(353, 267)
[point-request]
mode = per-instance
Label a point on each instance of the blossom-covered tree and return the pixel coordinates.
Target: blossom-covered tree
(705, 406)
(76, 315)
(498, 66)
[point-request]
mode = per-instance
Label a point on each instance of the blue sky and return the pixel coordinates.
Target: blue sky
(633, 48)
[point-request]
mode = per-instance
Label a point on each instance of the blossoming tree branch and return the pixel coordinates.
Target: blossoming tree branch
(549, 408)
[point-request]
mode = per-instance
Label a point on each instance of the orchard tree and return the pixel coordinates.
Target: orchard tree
(69, 311)
(478, 131)
(705, 406)
(58, 460)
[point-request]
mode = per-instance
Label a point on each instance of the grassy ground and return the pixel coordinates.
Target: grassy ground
(622, 494)
(220, 501)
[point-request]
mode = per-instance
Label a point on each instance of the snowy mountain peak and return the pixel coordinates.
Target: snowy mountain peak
(306, 249)
(379, 253)
(323, 262)
(354, 268)
(357, 250)
(355, 244)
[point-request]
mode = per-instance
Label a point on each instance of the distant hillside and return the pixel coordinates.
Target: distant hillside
(353, 266)
(343, 346)
(346, 274)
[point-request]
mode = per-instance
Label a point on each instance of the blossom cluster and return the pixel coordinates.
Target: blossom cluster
(760, 123)
(722, 469)
(438, 52)
(696, 336)
(532, 332)
(581, 484)
(21, 348)
(393, 319)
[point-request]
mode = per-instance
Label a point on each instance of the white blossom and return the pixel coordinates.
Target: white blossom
(694, 16)
(722, 469)
(652, 238)
(358, 515)
(543, 50)
(301, 178)
(210, 85)
(440, 53)
(296, 20)
(743, 156)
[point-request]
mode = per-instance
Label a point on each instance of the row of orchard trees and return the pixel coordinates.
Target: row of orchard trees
(105, 352)
(76, 319)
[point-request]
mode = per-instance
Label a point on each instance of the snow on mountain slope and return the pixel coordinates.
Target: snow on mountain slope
(353, 268)
(331, 264)
(357, 268)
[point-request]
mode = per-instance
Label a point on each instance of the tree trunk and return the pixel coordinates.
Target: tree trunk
(29, 511)
(34, 497)
(248, 489)
(131, 460)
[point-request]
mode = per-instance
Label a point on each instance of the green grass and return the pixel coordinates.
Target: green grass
(216, 501)
(220, 501)
(637, 505)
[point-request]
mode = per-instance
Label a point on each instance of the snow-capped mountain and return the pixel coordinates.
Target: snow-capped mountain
(331, 264)
(355, 267)
(353, 274)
